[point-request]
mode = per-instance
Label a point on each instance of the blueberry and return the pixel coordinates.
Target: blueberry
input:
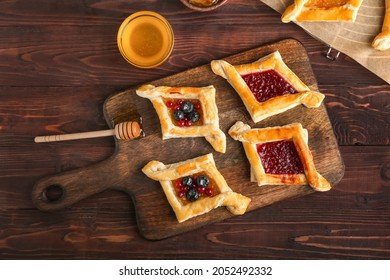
(178, 115)
(194, 116)
(187, 107)
(192, 194)
(187, 181)
(202, 181)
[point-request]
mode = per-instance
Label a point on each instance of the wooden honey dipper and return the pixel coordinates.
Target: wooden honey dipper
(125, 131)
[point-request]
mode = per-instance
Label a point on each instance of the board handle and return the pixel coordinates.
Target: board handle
(64, 189)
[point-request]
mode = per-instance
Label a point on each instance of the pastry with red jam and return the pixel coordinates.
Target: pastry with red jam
(279, 155)
(267, 86)
(195, 187)
(186, 112)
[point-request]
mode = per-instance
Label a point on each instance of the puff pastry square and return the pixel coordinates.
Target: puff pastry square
(382, 40)
(322, 10)
(279, 155)
(221, 194)
(208, 126)
(267, 86)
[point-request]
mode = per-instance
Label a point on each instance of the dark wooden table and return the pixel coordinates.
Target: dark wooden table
(59, 62)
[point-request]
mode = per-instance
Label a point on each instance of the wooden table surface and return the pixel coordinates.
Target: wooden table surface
(58, 64)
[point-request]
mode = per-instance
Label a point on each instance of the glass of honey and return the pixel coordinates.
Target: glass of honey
(145, 39)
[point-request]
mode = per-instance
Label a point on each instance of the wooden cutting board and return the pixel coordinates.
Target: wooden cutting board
(156, 219)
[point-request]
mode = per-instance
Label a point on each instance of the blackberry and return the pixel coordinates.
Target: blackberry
(192, 194)
(187, 181)
(202, 181)
(194, 116)
(187, 107)
(178, 115)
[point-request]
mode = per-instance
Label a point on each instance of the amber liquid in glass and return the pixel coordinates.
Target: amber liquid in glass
(145, 41)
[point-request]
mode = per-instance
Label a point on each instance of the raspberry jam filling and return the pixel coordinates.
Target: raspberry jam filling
(280, 157)
(267, 84)
(185, 112)
(195, 187)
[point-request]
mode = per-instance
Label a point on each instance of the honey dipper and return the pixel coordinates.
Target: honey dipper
(125, 131)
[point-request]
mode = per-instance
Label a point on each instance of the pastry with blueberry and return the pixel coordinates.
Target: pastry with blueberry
(195, 187)
(186, 112)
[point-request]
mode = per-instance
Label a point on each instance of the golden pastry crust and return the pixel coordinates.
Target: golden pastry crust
(382, 40)
(261, 110)
(295, 132)
(203, 3)
(206, 95)
(322, 10)
(236, 203)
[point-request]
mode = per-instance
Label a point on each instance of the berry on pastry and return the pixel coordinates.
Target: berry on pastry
(186, 112)
(195, 187)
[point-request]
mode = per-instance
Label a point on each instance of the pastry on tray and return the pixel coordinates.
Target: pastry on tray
(267, 86)
(195, 186)
(279, 155)
(186, 112)
(382, 40)
(322, 10)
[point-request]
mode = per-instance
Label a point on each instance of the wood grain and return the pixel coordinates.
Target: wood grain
(340, 224)
(122, 170)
